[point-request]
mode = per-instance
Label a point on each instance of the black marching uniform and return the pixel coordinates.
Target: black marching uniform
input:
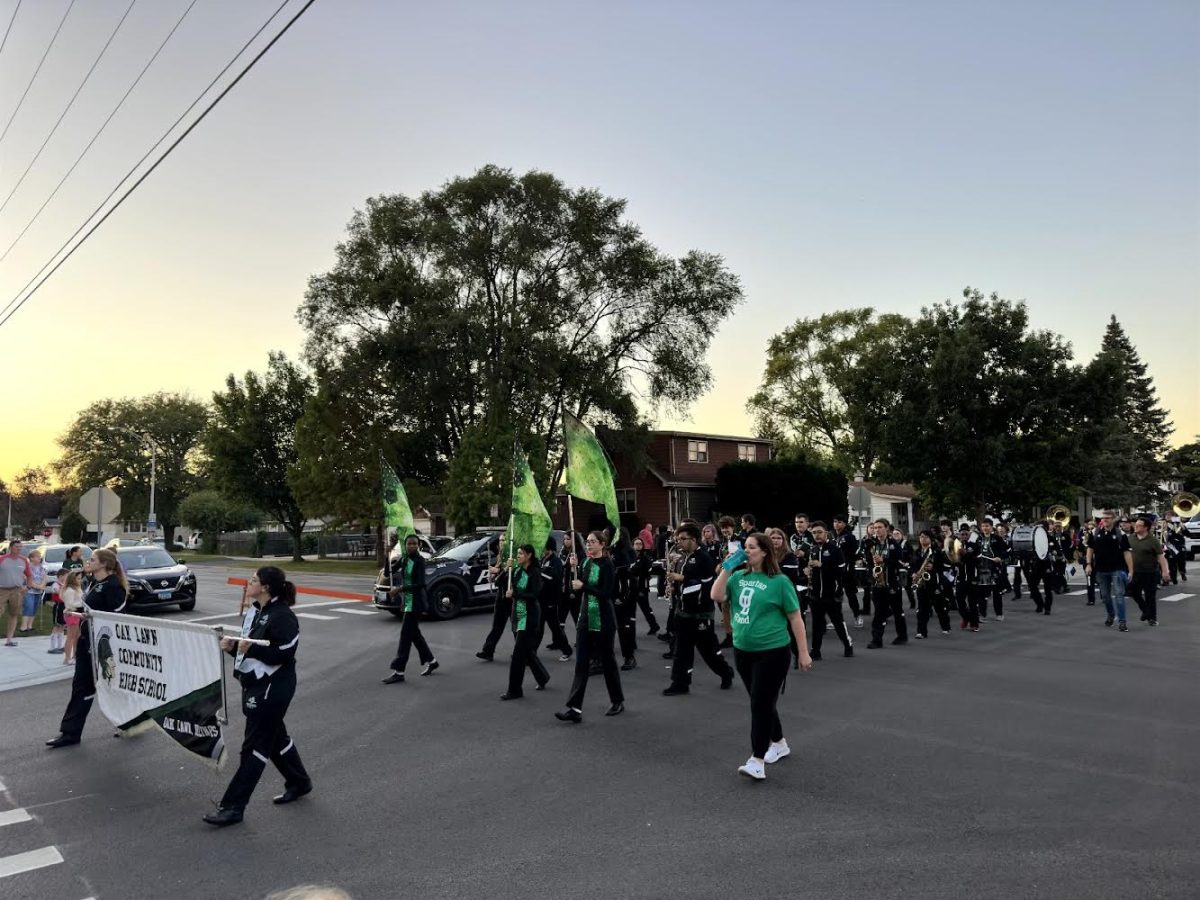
(928, 566)
(802, 545)
(885, 595)
(847, 543)
(500, 616)
(997, 547)
(550, 598)
(790, 566)
(105, 596)
(268, 677)
(410, 570)
(526, 623)
(639, 575)
(597, 630)
(694, 626)
(1176, 550)
(1039, 574)
(825, 601)
(624, 603)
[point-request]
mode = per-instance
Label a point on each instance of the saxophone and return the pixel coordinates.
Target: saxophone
(877, 572)
(925, 572)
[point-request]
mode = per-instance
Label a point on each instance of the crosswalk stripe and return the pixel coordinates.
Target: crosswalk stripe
(13, 816)
(1174, 598)
(1076, 593)
(357, 612)
(27, 862)
(316, 616)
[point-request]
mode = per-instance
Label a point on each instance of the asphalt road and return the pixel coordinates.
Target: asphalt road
(1042, 757)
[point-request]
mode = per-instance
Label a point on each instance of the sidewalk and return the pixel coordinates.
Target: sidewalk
(28, 664)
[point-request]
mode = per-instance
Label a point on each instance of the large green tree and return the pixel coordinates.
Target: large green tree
(981, 418)
(1125, 431)
(821, 389)
(251, 441)
(34, 499)
(486, 307)
(1185, 462)
(109, 444)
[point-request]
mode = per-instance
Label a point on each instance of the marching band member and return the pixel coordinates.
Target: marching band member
(993, 551)
(503, 609)
(765, 602)
(847, 543)
(789, 565)
(107, 593)
(624, 604)
(524, 586)
(640, 584)
(597, 629)
(550, 598)
(826, 571)
(694, 616)
(884, 557)
(1040, 575)
(411, 571)
(928, 564)
(964, 596)
(268, 677)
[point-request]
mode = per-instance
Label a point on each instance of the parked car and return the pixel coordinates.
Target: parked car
(457, 578)
(1191, 530)
(156, 579)
(53, 556)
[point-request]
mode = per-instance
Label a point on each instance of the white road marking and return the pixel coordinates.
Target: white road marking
(358, 612)
(2, 787)
(13, 816)
(1076, 593)
(315, 616)
(294, 609)
(27, 862)
(1174, 598)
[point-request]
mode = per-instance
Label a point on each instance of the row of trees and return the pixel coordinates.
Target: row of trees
(451, 325)
(969, 403)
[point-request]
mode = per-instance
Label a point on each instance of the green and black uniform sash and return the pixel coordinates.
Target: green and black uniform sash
(591, 582)
(406, 583)
(520, 591)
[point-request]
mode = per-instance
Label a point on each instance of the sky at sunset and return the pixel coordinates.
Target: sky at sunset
(837, 154)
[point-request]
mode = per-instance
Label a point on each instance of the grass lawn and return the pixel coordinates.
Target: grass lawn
(42, 623)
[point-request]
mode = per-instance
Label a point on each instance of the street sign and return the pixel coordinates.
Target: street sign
(859, 499)
(100, 505)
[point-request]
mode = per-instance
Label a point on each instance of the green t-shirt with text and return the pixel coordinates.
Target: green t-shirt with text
(760, 605)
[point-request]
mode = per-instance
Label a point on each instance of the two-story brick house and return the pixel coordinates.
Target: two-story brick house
(680, 481)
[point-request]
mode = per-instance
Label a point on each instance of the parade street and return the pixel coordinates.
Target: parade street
(1042, 757)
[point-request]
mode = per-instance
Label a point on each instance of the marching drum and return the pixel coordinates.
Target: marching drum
(1031, 540)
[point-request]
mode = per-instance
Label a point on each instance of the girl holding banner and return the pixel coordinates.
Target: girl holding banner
(268, 676)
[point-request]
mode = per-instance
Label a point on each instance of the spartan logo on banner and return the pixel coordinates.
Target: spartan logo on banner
(155, 673)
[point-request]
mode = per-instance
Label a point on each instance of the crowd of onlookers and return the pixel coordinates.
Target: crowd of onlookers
(25, 585)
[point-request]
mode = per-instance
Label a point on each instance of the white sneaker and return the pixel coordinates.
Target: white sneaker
(999, 618)
(777, 751)
(858, 621)
(753, 769)
(829, 626)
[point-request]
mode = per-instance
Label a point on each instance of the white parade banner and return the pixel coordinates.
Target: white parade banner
(154, 673)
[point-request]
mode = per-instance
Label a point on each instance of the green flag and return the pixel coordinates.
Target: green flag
(529, 523)
(589, 473)
(396, 511)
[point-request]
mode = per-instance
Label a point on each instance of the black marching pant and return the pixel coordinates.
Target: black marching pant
(568, 605)
(1016, 582)
(763, 672)
(692, 635)
(83, 690)
(850, 587)
(600, 644)
(525, 656)
(641, 594)
(410, 636)
(1041, 591)
(500, 617)
(265, 702)
(888, 604)
(1060, 575)
(1144, 591)
(626, 612)
(551, 620)
(831, 608)
(929, 601)
(967, 602)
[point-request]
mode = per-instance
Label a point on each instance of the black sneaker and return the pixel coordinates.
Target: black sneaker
(900, 641)
(484, 655)
(849, 651)
(430, 667)
(727, 643)
(569, 715)
(1122, 627)
(668, 655)
(1152, 621)
(629, 663)
(727, 681)
(815, 654)
(394, 678)
(1108, 623)
(875, 645)
(674, 690)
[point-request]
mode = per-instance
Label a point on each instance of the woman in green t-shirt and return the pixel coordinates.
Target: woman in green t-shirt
(764, 603)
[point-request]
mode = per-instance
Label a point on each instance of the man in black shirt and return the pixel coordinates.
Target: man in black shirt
(694, 614)
(886, 555)
(826, 572)
(1110, 559)
(847, 543)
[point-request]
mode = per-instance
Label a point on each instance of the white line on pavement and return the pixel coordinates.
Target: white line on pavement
(2, 787)
(27, 862)
(357, 612)
(13, 816)
(315, 616)
(1076, 593)
(1174, 598)
(294, 608)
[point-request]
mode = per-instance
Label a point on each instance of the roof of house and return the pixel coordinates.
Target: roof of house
(715, 437)
(667, 482)
(906, 491)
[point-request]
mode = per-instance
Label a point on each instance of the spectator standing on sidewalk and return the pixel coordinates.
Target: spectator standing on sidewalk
(16, 577)
(33, 596)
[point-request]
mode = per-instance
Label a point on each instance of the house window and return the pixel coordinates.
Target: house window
(627, 500)
(697, 451)
(746, 453)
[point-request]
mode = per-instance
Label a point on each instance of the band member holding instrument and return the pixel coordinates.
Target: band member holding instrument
(597, 629)
(524, 585)
(408, 582)
(268, 677)
(549, 599)
(624, 603)
(499, 574)
(826, 571)
(957, 557)
(992, 553)
(731, 542)
(927, 565)
(884, 555)
(764, 602)
(694, 627)
(789, 566)
(107, 593)
(640, 584)
(847, 543)
(1176, 549)
(1040, 575)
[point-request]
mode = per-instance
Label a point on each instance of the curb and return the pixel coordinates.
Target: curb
(34, 680)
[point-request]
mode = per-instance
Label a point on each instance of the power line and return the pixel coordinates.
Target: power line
(10, 25)
(9, 313)
(104, 125)
(33, 78)
(70, 103)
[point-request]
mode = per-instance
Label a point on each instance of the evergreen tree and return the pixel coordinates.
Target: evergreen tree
(1126, 434)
